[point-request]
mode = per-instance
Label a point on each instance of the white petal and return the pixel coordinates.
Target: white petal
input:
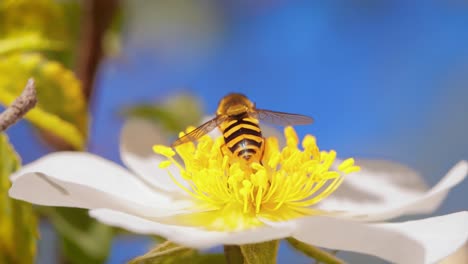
(364, 188)
(423, 241)
(190, 236)
(136, 142)
(78, 179)
(459, 257)
(375, 196)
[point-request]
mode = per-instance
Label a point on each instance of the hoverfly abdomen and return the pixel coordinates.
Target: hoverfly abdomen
(243, 138)
(238, 119)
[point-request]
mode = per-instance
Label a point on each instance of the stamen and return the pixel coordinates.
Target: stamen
(163, 150)
(284, 185)
(165, 164)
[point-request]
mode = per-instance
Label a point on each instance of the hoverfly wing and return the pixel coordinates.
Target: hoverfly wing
(281, 118)
(199, 131)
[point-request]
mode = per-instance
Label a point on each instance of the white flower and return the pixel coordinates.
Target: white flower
(146, 200)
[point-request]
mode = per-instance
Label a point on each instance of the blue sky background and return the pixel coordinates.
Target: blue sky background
(383, 79)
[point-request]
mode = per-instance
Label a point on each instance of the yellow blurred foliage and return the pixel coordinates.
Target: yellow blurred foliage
(61, 108)
(29, 31)
(18, 223)
(19, 17)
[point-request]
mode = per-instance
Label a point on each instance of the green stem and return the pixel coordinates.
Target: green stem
(314, 252)
(260, 253)
(233, 255)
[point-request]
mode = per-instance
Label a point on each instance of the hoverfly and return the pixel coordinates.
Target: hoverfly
(238, 119)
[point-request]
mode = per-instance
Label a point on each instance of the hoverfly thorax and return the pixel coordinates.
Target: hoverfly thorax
(235, 104)
(238, 120)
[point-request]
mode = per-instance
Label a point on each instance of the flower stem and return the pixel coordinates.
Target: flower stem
(260, 253)
(319, 255)
(233, 255)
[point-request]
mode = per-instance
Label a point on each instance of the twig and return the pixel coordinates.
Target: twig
(25, 102)
(97, 17)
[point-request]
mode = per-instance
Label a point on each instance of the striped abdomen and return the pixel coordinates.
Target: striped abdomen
(243, 138)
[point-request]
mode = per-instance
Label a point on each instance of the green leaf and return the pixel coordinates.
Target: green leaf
(175, 114)
(314, 252)
(260, 253)
(171, 253)
(28, 42)
(84, 240)
(25, 17)
(207, 258)
(25, 27)
(40, 16)
(18, 228)
(61, 108)
(72, 23)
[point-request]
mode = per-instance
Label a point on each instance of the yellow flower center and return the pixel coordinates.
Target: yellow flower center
(236, 195)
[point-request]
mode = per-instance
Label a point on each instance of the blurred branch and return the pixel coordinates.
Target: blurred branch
(97, 17)
(25, 102)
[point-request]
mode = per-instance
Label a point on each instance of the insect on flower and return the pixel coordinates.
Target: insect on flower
(238, 119)
(198, 198)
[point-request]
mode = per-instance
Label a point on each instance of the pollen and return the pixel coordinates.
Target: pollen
(287, 183)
